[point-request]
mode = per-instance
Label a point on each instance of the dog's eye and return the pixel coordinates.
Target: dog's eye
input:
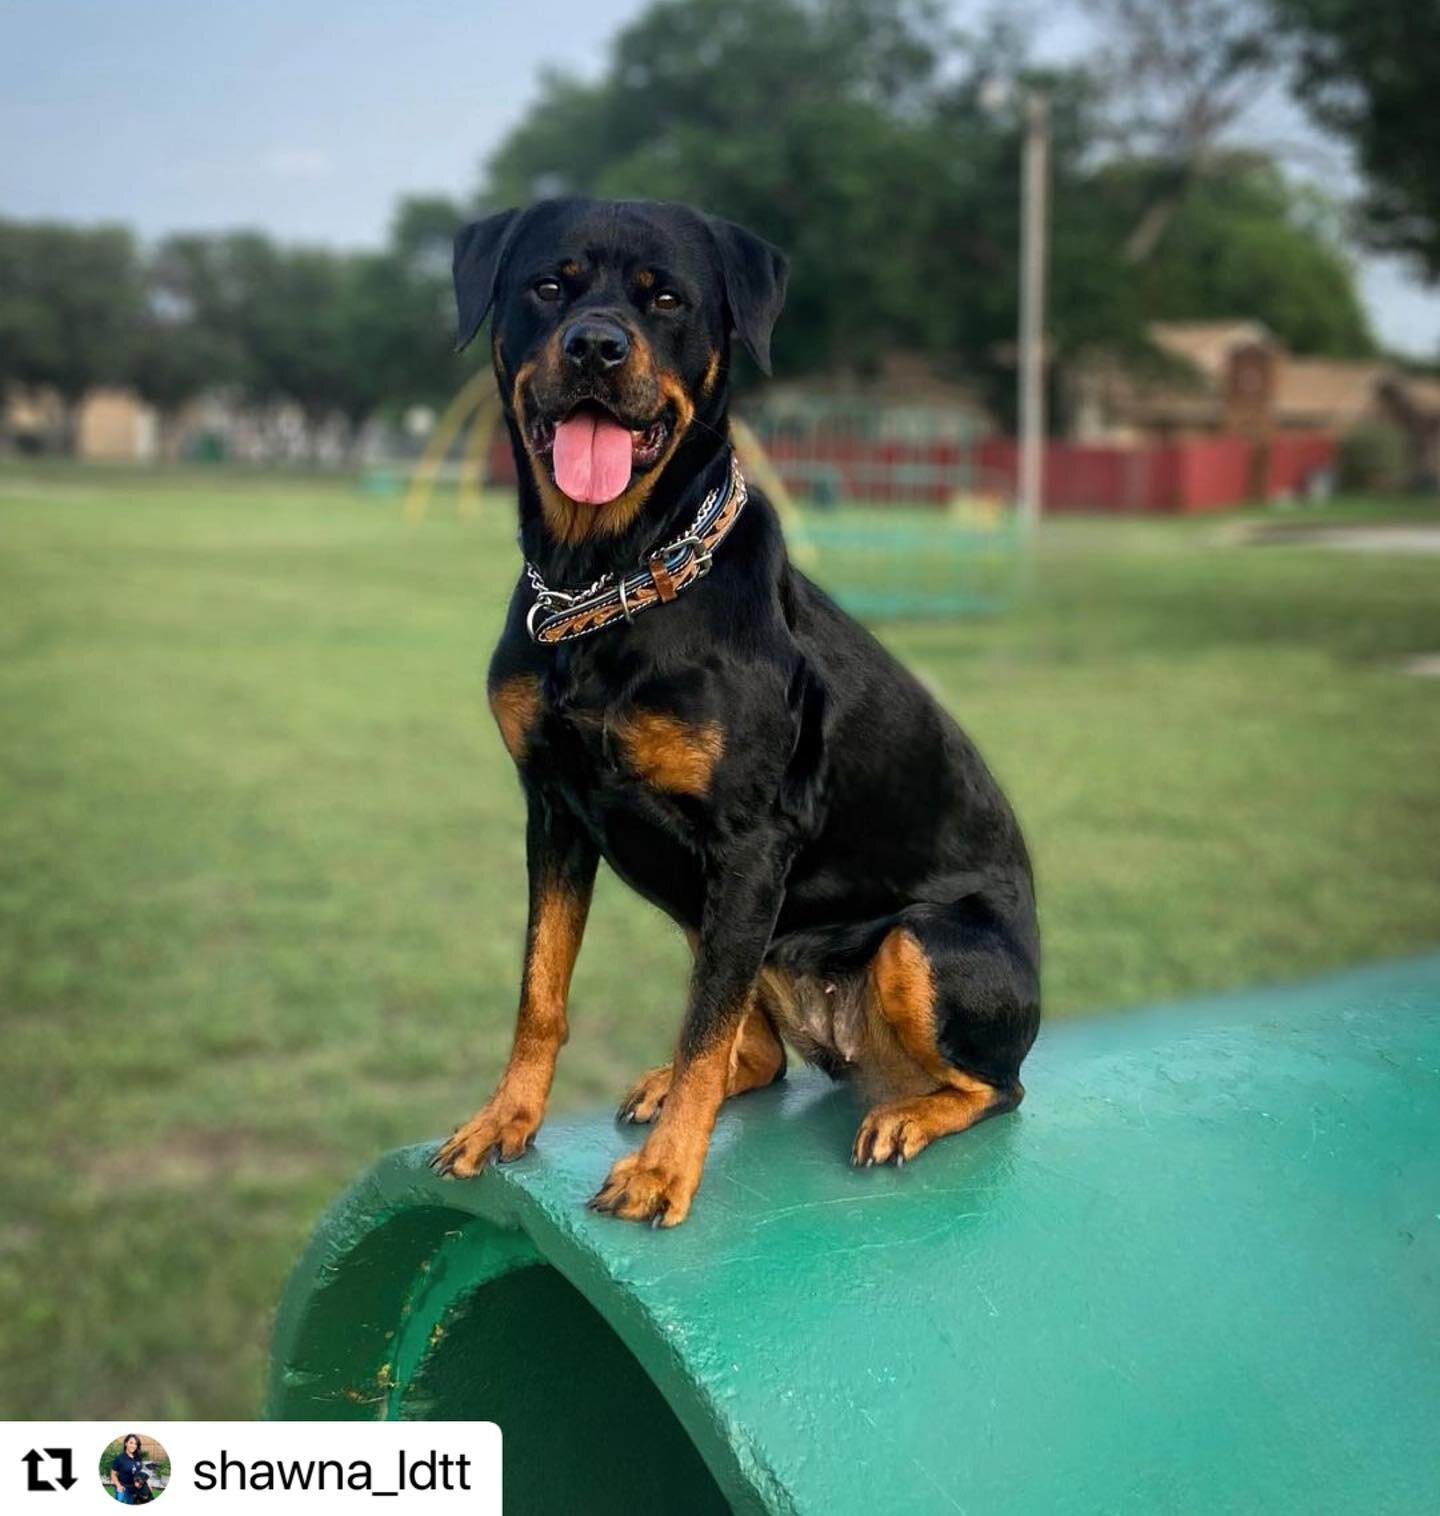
(549, 289)
(667, 300)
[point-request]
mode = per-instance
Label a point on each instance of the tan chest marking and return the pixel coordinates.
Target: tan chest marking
(668, 753)
(515, 704)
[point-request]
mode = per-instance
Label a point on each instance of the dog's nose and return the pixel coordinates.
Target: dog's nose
(593, 344)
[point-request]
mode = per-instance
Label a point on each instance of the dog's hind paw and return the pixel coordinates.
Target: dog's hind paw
(889, 1135)
(646, 1096)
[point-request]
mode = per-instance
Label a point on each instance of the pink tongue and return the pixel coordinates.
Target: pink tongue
(592, 458)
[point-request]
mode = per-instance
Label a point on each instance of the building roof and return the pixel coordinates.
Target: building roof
(1207, 345)
(1418, 394)
(1328, 392)
(1331, 394)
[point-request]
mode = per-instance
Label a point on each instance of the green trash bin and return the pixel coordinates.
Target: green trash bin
(1198, 1271)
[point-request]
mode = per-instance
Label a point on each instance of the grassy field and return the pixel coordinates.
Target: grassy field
(261, 852)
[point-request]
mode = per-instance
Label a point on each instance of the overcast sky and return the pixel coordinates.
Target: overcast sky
(310, 118)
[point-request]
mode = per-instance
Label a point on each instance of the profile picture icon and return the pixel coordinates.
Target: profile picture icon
(134, 1469)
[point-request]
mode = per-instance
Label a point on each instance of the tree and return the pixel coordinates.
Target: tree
(857, 135)
(1369, 73)
(1245, 241)
(1177, 74)
(422, 231)
(414, 327)
(277, 322)
(223, 285)
(806, 122)
(174, 354)
(69, 299)
(393, 344)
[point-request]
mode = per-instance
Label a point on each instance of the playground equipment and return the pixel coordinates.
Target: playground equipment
(471, 419)
(885, 563)
(888, 506)
(1199, 1270)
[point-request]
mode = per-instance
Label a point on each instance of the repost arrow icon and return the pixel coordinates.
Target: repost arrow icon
(66, 1477)
(33, 1481)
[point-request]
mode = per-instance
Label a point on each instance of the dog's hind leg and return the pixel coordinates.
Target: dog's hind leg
(896, 1130)
(757, 1058)
(954, 1007)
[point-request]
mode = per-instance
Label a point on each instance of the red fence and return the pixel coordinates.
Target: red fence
(1196, 474)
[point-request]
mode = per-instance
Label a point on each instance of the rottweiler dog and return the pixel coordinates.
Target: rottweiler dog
(680, 700)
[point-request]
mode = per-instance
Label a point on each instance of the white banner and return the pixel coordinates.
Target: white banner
(178, 1468)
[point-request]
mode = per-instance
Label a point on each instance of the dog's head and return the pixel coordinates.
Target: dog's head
(611, 340)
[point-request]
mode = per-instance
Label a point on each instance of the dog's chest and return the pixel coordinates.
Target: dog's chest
(617, 748)
(640, 778)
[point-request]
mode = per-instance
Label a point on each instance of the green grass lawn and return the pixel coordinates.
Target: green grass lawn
(261, 888)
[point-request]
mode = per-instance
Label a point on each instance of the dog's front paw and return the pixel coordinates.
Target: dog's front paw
(645, 1188)
(502, 1127)
(646, 1095)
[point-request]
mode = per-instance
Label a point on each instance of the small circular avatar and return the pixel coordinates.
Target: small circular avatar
(134, 1469)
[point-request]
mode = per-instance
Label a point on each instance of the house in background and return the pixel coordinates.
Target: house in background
(1236, 378)
(109, 425)
(117, 426)
(1413, 403)
(907, 399)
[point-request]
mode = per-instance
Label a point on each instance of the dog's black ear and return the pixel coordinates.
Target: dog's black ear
(478, 250)
(755, 275)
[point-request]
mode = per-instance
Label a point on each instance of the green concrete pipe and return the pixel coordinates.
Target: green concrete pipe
(1198, 1271)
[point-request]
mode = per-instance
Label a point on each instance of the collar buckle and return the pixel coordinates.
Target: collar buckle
(701, 556)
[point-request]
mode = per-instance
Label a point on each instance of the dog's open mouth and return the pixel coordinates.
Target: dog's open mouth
(593, 455)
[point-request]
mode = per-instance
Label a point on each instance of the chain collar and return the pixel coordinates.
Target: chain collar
(563, 615)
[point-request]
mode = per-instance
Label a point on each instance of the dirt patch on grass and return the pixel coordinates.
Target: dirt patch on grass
(1411, 537)
(191, 1157)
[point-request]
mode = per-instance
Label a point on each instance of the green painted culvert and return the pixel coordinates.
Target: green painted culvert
(1198, 1271)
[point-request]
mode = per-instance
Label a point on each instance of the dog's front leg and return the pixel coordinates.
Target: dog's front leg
(657, 1182)
(561, 860)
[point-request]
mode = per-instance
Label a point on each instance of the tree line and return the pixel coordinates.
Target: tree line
(869, 139)
(342, 336)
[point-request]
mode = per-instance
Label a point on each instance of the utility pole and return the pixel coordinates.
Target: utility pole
(1034, 237)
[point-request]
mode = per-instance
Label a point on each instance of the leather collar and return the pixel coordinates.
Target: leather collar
(562, 616)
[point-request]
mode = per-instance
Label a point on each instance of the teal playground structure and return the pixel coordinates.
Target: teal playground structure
(1197, 1271)
(892, 563)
